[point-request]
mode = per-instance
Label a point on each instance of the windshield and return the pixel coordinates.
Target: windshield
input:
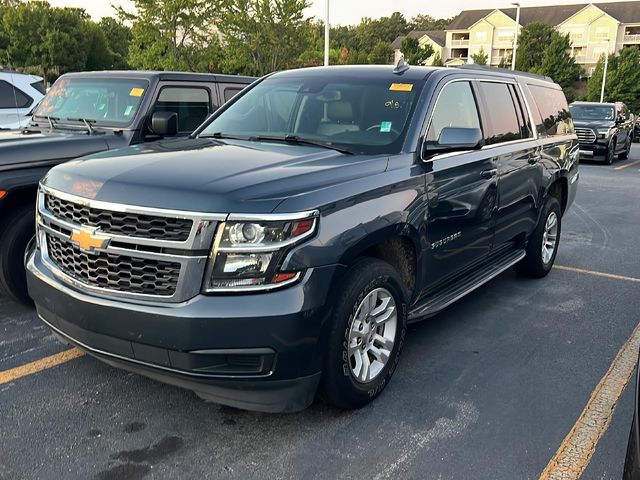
(107, 101)
(366, 115)
(592, 112)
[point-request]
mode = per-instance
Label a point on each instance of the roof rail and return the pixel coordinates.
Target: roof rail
(487, 68)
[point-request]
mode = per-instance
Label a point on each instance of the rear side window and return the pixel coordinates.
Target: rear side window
(456, 107)
(505, 123)
(189, 103)
(552, 104)
(229, 93)
(11, 97)
(39, 86)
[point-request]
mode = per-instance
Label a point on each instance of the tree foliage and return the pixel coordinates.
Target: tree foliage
(427, 22)
(118, 37)
(414, 53)
(623, 79)
(480, 58)
(532, 43)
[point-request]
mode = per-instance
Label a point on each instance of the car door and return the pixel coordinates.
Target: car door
(508, 133)
(461, 191)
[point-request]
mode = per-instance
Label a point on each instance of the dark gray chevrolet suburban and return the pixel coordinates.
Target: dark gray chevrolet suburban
(280, 252)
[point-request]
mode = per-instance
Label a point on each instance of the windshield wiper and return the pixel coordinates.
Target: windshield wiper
(49, 119)
(220, 135)
(86, 121)
(296, 140)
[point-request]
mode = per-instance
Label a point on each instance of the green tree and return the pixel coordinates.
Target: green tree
(480, 58)
(427, 22)
(172, 35)
(623, 79)
(559, 65)
(437, 60)
(262, 36)
(381, 54)
(532, 43)
(369, 31)
(413, 53)
(118, 37)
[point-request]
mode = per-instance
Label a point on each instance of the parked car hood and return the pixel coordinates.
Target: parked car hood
(593, 123)
(17, 147)
(210, 176)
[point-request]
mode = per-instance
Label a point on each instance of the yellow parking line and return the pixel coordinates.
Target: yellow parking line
(39, 365)
(622, 167)
(598, 274)
(576, 450)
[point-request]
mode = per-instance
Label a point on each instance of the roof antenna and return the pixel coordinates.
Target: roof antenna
(401, 66)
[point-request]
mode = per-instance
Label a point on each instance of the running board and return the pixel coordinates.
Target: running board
(441, 299)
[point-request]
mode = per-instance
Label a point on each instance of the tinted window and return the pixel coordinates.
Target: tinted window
(229, 93)
(504, 123)
(39, 86)
(190, 104)
(524, 121)
(106, 101)
(456, 107)
(11, 97)
(551, 102)
(367, 114)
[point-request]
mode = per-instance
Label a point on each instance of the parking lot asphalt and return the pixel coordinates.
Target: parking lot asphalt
(486, 390)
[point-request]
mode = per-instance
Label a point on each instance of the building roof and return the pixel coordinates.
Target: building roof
(437, 36)
(624, 12)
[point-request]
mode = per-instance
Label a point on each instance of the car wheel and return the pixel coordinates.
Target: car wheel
(611, 153)
(18, 231)
(624, 155)
(368, 327)
(542, 248)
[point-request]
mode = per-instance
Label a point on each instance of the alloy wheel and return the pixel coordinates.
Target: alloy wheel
(550, 237)
(372, 335)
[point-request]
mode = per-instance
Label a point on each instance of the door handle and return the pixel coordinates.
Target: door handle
(489, 173)
(534, 160)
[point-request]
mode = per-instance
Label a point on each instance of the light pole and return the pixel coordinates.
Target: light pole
(326, 37)
(604, 74)
(515, 38)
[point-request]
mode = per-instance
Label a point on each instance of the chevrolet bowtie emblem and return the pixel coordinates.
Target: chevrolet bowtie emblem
(88, 240)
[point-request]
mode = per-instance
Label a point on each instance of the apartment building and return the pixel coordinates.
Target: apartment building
(594, 28)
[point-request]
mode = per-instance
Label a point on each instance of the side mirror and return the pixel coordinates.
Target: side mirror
(454, 139)
(619, 119)
(164, 124)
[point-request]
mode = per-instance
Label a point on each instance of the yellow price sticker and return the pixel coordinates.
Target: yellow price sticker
(401, 87)
(136, 92)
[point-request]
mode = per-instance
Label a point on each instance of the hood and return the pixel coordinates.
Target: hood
(593, 123)
(210, 176)
(17, 147)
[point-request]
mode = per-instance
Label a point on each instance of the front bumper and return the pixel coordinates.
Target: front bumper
(593, 151)
(258, 352)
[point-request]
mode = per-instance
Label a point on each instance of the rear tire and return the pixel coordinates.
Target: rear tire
(369, 323)
(538, 260)
(18, 230)
(624, 155)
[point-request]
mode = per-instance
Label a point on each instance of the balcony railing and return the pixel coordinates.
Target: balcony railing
(580, 58)
(634, 38)
(505, 38)
(460, 42)
(498, 60)
(602, 36)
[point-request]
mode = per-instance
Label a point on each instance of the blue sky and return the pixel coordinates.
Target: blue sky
(350, 11)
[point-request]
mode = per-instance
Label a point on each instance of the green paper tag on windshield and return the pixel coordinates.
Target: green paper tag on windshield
(385, 127)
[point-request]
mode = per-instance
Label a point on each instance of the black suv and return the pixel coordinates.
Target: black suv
(604, 130)
(286, 245)
(85, 113)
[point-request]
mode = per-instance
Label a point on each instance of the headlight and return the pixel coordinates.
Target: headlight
(603, 132)
(248, 252)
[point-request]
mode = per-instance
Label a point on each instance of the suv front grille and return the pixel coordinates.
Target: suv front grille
(120, 223)
(114, 272)
(585, 135)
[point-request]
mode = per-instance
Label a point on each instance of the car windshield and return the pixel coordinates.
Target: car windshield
(103, 101)
(359, 114)
(592, 112)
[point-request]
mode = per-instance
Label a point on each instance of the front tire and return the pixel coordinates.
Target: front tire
(611, 153)
(18, 231)
(624, 155)
(368, 327)
(543, 246)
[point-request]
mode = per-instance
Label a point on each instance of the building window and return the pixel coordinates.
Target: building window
(481, 36)
(602, 33)
(598, 52)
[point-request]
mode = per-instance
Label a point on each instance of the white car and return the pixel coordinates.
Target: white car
(19, 93)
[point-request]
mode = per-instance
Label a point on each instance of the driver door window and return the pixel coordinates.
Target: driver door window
(192, 105)
(455, 107)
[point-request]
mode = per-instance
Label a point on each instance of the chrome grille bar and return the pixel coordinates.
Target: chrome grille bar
(585, 135)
